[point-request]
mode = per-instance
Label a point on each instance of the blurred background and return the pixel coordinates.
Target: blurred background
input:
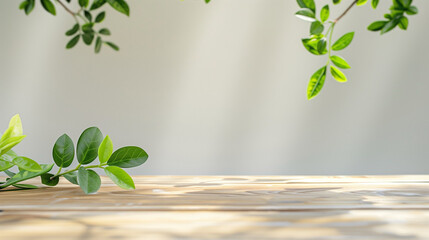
(221, 88)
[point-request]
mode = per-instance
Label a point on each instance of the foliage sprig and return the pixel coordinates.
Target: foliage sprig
(90, 145)
(320, 41)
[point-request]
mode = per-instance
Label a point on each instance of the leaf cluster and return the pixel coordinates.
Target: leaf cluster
(90, 146)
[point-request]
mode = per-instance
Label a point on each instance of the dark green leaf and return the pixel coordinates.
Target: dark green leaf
(23, 5)
(9, 173)
(343, 41)
(30, 6)
(324, 13)
(338, 75)
(63, 151)
(88, 15)
(119, 177)
(71, 177)
(339, 62)
(321, 46)
(336, 1)
(48, 6)
(120, 6)
(313, 46)
(25, 186)
(306, 14)
(112, 45)
(100, 17)
(316, 83)
(97, 4)
(83, 3)
(104, 31)
(316, 28)
(98, 44)
(390, 25)
(73, 30)
(87, 145)
(87, 28)
(128, 157)
(88, 180)
(377, 26)
(307, 4)
(412, 10)
(27, 164)
(48, 180)
(73, 42)
(24, 175)
(87, 38)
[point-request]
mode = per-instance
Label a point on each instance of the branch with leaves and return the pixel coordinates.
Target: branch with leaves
(90, 145)
(320, 41)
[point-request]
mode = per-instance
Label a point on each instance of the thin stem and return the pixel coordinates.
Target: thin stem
(59, 170)
(77, 168)
(66, 8)
(346, 11)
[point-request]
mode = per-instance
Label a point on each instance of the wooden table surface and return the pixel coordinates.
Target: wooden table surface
(224, 207)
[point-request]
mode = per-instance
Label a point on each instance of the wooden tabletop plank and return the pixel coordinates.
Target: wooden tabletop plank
(224, 207)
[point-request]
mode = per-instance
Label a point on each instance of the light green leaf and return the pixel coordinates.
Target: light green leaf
(63, 151)
(120, 6)
(412, 10)
(88, 180)
(9, 143)
(324, 13)
(403, 23)
(87, 145)
(377, 26)
(27, 164)
(14, 129)
(119, 177)
(306, 14)
(361, 2)
(9, 156)
(128, 157)
(343, 41)
(105, 150)
(374, 3)
(307, 4)
(24, 175)
(316, 83)
(5, 165)
(83, 3)
(48, 6)
(338, 75)
(339, 62)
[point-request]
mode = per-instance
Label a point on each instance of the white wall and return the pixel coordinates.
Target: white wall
(221, 89)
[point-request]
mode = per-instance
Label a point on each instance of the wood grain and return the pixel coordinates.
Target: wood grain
(224, 207)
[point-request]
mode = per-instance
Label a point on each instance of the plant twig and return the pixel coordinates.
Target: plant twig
(345, 12)
(66, 8)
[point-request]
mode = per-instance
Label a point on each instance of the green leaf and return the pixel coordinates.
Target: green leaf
(316, 28)
(9, 156)
(336, 1)
(25, 186)
(324, 13)
(14, 129)
(412, 10)
(306, 14)
(377, 26)
(83, 3)
(73, 30)
(112, 45)
(105, 150)
(88, 38)
(87, 145)
(361, 2)
(374, 3)
(73, 42)
(343, 41)
(307, 4)
(27, 164)
(403, 23)
(321, 46)
(98, 44)
(120, 6)
(87, 28)
(313, 45)
(23, 5)
(100, 17)
(316, 83)
(71, 177)
(29, 7)
(104, 31)
(88, 15)
(97, 4)
(5, 165)
(119, 177)
(128, 157)
(339, 62)
(88, 180)
(338, 75)
(390, 25)
(25, 175)
(63, 151)
(48, 180)
(207, 1)
(9, 143)
(9, 173)
(48, 6)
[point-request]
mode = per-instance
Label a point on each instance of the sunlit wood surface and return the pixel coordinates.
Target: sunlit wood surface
(224, 207)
